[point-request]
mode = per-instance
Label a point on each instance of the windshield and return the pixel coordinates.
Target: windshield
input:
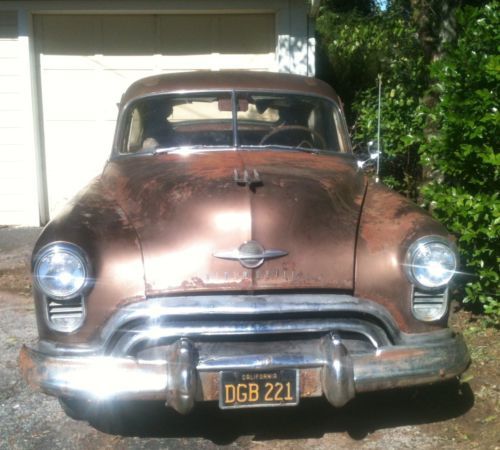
(209, 120)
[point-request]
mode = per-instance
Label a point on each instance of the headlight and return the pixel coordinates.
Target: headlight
(61, 270)
(431, 262)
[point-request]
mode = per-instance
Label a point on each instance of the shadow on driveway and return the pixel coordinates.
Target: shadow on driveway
(311, 419)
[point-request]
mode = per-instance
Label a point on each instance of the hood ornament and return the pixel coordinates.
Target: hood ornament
(251, 254)
(250, 178)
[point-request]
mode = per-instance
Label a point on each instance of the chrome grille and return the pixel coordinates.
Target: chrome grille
(140, 334)
(265, 317)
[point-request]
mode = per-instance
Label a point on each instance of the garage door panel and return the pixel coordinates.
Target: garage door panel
(97, 62)
(128, 35)
(12, 204)
(9, 83)
(61, 62)
(215, 61)
(87, 62)
(187, 63)
(180, 35)
(252, 34)
(71, 93)
(9, 119)
(12, 153)
(97, 34)
(224, 33)
(10, 184)
(11, 101)
(9, 176)
(74, 140)
(82, 99)
(74, 143)
(9, 48)
(10, 66)
(119, 63)
(66, 34)
(12, 135)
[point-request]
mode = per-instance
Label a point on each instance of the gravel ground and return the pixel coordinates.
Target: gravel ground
(424, 418)
(16, 244)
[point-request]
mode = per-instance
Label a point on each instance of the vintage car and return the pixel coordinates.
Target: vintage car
(233, 250)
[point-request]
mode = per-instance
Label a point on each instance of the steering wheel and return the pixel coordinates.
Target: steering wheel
(286, 128)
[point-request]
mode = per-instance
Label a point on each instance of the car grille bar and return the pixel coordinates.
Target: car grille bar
(150, 333)
(220, 310)
(65, 315)
(429, 305)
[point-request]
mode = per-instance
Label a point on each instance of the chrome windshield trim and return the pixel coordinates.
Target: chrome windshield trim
(116, 154)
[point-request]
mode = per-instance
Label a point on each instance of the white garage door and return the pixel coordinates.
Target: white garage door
(87, 61)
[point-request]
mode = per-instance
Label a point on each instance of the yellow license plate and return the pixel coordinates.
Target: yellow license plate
(253, 389)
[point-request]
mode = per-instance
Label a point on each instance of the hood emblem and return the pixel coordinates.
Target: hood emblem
(251, 254)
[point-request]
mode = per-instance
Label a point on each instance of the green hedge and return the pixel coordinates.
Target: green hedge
(443, 153)
(463, 152)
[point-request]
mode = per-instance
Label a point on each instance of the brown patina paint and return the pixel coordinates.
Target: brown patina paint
(389, 224)
(150, 224)
(182, 206)
(227, 80)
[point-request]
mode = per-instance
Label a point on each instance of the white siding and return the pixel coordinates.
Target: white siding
(18, 197)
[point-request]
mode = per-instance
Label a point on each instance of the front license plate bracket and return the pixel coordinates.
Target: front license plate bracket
(249, 389)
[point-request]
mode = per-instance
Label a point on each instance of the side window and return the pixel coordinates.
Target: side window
(341, 129)
(324, 124)
(136, 132)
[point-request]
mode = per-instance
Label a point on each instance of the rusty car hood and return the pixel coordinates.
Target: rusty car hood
(188, 207)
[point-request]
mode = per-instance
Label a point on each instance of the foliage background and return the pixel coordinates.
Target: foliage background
(440, 66)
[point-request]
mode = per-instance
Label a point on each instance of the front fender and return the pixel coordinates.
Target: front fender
(95, 222)
(389, 223)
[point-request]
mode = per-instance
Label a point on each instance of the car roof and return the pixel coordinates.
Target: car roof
(227, 80)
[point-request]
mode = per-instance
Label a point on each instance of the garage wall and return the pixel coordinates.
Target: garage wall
(87, 61)
(64, 65)
(18, 189)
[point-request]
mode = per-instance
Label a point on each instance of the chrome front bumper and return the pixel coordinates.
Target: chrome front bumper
(185, 372)
(175, 348)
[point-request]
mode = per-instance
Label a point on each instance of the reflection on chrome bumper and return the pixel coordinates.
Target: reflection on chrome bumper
(184, 372)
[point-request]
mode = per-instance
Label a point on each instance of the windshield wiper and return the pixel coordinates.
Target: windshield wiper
(194, 148)
(188, 149)
(284, 147)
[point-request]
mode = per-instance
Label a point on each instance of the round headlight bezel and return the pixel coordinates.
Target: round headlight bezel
(70, 249)
(411, 253)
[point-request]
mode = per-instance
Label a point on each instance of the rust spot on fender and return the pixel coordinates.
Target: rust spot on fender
(27, 367)
(388, 225)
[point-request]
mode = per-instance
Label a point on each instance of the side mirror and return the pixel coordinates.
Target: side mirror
(373, 154)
